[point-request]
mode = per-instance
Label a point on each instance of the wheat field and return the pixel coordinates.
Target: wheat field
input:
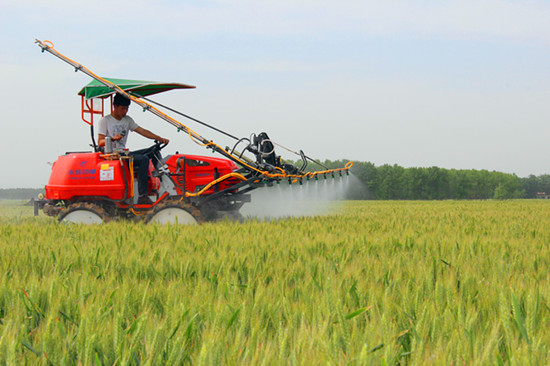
(374, 283)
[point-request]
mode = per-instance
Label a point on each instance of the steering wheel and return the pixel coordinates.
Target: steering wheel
(159, 145)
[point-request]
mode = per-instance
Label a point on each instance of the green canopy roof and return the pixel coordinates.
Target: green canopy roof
(95, 89)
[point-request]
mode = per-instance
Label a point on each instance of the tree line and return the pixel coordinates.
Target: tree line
(393, 182)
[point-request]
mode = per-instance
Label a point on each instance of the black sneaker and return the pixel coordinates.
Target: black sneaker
(144, 200)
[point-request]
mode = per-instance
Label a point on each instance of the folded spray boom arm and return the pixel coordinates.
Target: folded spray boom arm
(266, 164)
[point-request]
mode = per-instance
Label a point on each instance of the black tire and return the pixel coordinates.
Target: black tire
(84, 213)
(174, 212)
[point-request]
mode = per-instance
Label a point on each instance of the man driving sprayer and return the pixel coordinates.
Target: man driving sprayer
(116, 126)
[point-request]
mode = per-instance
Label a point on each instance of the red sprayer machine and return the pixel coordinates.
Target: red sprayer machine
(99, 185)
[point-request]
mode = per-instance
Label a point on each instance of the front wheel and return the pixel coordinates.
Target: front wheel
(83, 213)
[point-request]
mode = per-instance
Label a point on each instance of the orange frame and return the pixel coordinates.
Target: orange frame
(88, 110)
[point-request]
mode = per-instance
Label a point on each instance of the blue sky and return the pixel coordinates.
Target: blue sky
(454, 84)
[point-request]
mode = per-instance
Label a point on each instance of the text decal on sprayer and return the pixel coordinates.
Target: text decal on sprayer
(106, 173)
(82, 174)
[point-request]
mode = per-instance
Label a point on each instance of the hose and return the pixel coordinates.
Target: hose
(213, 183)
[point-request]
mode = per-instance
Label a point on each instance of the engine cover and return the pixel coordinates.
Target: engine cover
(191, 173)
(88, 174)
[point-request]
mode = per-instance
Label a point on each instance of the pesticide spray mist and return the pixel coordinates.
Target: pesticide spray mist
(312, 198)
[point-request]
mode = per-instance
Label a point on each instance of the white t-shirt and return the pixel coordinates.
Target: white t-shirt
(110, 126)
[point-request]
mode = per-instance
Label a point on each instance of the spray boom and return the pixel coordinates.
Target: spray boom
(259, 164)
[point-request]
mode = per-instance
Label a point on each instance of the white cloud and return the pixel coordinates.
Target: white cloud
(174, 19)
(457, 18)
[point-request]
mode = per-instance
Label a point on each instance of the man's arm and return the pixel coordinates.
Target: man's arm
(101, 139)
(146, 133)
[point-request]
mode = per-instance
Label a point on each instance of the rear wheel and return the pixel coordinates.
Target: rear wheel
(83, 213)
(174, 213)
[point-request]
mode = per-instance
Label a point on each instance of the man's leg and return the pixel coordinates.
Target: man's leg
(153, 154)
(141, 163)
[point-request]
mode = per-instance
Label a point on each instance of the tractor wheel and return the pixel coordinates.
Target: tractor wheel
(84, 213)
(174, 213)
